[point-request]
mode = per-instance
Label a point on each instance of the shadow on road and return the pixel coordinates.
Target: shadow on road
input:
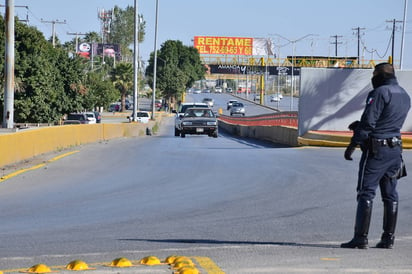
(252, 141)
(217, 242)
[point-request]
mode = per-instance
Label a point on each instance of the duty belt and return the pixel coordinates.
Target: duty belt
(391, 142)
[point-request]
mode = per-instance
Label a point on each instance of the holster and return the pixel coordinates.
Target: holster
(373, 145)
(402, 170)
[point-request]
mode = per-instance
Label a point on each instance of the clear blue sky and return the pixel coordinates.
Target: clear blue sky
(184, 19)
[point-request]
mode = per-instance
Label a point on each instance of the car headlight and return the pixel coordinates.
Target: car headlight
(187, 123)
(211, 123)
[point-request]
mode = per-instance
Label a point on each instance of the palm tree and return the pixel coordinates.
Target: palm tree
(122, 77)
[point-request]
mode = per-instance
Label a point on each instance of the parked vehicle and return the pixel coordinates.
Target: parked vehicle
(128, 104)
(76, 118)
(141, 116)
(199, 121)
(114, 107)
(158, 104)
(91, 117)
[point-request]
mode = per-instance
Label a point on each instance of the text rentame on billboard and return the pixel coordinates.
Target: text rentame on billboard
(224, 45)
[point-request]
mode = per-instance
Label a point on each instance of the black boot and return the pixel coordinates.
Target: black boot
(390, 214)
(363, 218)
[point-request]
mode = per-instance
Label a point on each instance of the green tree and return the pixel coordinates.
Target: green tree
(122, 77)
(101, 91)
(122, 29)
(48, 82)
(178, 67)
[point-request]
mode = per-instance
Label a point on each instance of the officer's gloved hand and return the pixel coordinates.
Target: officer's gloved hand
(349, 151)
(354, 125)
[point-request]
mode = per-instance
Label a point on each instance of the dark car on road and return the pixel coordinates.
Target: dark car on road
(181, 111)
(199, 121)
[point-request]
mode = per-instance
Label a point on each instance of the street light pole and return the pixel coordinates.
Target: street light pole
(293, 42)
(155, 63)
(135, 61)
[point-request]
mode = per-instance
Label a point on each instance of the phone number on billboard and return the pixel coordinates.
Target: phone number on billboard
(225, 50)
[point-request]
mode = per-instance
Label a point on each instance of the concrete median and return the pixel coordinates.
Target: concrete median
(28, 143)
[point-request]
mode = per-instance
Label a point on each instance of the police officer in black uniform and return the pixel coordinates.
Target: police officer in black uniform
(378, 135)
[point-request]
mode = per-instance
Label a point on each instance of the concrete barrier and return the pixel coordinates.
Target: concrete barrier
(289, 135)
(277, 134)
(28, 143)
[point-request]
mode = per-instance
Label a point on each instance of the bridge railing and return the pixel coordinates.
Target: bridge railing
(286, 118)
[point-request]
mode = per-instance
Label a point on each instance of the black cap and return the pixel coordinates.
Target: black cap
(385, 69)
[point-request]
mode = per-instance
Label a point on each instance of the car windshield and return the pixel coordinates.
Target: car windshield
(75, 117)
(185, 107)
(237, 105)
(142, 114)
(199, 113)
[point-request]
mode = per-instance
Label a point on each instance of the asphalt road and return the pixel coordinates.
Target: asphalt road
(252, 107)
(247, 206)
(220, 101)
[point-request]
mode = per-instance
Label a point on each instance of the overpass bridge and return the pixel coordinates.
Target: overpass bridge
(233, 66)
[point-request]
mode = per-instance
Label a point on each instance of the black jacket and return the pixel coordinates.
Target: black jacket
(385, 112)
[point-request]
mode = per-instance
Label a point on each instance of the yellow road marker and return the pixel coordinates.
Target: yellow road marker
(8, 176)
(208, 265)
(329, 259)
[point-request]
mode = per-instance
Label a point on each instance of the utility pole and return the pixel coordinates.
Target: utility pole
(77, 38)
(403, 33)
(393, 36)
(358, 33)
(54, 22)
(27, 16)
(8, 111)
(136, 65)
(336, 43)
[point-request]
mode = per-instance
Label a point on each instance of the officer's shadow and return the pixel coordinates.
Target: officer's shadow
(217, 242)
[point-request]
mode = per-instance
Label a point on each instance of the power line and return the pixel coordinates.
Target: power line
(54, 22)
(336, 43)
(358, 32)
(77, 38)
(27, 15)
(393, 35)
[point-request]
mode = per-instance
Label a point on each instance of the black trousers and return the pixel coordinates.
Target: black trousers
(379, 168)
